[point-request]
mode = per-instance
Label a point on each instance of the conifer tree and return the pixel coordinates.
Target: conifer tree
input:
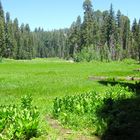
(88, 24)
(2, 31)
(9, 37)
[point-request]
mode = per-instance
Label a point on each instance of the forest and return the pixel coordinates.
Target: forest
(98, 35)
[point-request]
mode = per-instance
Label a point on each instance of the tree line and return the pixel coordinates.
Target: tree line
(99, 35)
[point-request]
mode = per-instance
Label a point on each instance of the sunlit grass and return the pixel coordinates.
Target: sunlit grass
(45, 79)
(48, 78)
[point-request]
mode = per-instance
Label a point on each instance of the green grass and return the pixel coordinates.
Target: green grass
(46, 79)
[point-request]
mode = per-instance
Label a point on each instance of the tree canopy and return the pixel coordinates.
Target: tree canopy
(98, 35)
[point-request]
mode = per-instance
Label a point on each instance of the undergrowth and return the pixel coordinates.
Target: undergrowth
(82, 111)
(19, 121)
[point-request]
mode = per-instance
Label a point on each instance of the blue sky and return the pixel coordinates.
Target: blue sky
(54, 14)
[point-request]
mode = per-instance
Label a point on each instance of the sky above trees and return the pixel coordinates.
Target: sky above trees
(54, 14)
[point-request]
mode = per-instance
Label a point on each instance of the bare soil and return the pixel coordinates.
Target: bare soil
(67, 134)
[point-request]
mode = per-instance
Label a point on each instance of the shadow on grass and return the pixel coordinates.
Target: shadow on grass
(135, 87)
(123, 116)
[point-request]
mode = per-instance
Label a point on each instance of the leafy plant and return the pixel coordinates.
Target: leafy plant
(81, 111)
(86, 55)
(19, 122)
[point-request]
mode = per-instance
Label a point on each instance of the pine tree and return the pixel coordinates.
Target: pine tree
(1, 11)
(118, 19)
(9, 37)
(111, 32)
(75, 37)
(2, 31)
(88, 24)
(119, 35)
(139, 41)
(136, 39)
(17, 47)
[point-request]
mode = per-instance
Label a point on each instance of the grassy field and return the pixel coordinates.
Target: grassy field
(46, 79)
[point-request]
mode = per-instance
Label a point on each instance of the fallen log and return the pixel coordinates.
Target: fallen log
(101, 78)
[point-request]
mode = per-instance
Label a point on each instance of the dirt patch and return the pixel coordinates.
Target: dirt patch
(67, 134)
(55, 125)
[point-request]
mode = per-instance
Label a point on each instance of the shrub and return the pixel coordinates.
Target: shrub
(82, 111)
(19, 121)
(129, 61)
(86, 55)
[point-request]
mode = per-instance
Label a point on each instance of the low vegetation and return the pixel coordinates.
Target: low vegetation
(19, 121)
(82, 111)
(63, 89)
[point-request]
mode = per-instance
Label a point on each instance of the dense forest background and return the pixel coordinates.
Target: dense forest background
(98, 35)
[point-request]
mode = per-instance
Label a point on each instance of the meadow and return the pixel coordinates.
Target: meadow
(46, 79)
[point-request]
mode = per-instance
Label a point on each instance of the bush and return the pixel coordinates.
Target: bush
(129, 61)
(19, 122)
(82, 111)
(86, 55)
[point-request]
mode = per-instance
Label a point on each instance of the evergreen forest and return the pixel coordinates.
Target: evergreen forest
(98, 35)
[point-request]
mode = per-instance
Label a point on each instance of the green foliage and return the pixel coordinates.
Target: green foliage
(109, 32)
(129, 61)
(88, 24)
(90, 54)
(121, 115)
(48, 78)
(2, 37)
(74, 37)
(86, 55)
(82, 111)
(19, 121)
(26, 102)
(1, 59)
